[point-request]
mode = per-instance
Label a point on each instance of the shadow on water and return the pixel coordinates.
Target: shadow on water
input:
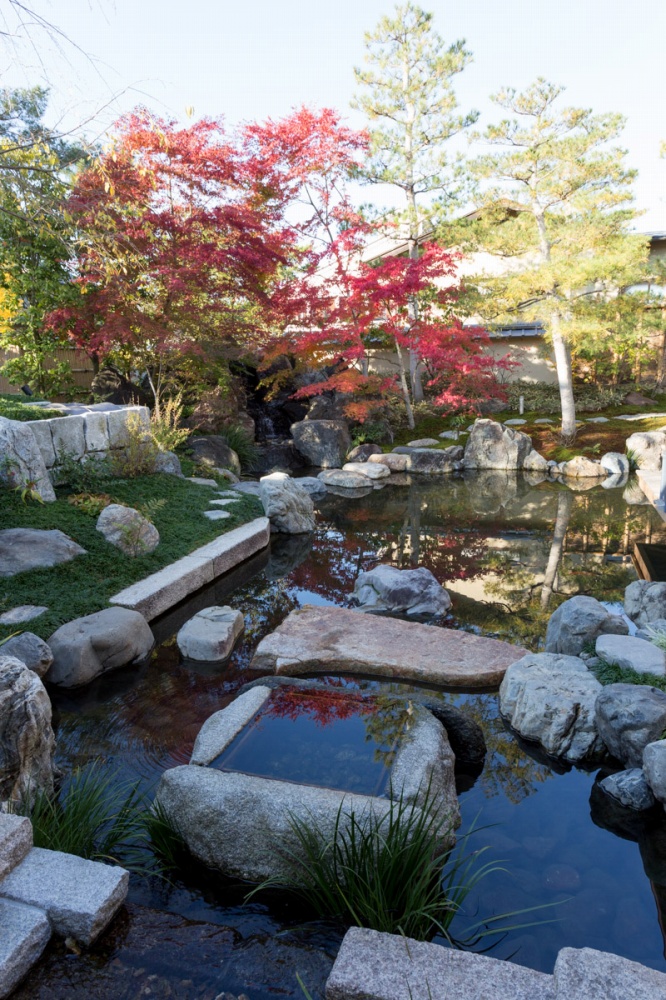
(508, 551)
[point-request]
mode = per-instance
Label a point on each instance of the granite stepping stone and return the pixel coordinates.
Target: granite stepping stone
(25, 932)
(216, 515)
(22, 613)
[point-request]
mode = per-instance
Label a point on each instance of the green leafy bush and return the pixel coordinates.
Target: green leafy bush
(545, 398)
(242, 442)
(137, 457)
(81, 477)
(13, 408)
(165, 421)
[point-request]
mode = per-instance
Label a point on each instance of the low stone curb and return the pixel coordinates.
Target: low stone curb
(158, 592)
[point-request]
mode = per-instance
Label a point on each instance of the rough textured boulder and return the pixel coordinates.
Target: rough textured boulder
(324, 443)
(210, 635)
(435, 461)
(414, 591)
(393, 461)
(629, 788)
(214, 451)
(128, 530)
(89, 646)
(346, 480)
(578, 621)
(168, 463)
(29, 649)
(615, 463)
(582, 468)
(550, 699)
(27, 741)
(658, 625)
(22, 549)
(22, 462)
(362, 452)
(372, 470)
(647, 447)
(535, 463)
(492, 446)
(654, 768)
(630, 653)
(645, 602)
(628, 717)
(287, 505)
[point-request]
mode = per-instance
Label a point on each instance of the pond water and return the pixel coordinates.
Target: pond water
(507, 551)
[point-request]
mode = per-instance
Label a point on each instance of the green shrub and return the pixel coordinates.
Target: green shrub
(543, 397)
(242, 442)
(165, 423)
(13, 408)
(137, 457)
(81, 477)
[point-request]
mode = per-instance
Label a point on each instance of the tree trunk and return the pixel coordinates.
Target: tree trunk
(565, 380)
(661, 365)
(405, 387)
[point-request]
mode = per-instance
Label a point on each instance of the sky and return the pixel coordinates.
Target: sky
(260, 58)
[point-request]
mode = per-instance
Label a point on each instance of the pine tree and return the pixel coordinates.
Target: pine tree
(407, 94)
(558, 202)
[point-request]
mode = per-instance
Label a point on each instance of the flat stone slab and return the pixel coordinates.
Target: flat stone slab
(160, 591)
(80, 897)
(15, 841)
(25, 932)
(324, 640)
(375, 966)
(217, 515)
(587, 974)
(630, 653)
(22, 613)
(22, 549)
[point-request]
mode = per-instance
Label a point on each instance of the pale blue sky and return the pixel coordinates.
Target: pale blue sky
(252, 59)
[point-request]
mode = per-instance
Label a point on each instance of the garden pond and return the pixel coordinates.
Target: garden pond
(508, 551)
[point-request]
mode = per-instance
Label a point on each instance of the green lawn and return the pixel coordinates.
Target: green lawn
(84, 585)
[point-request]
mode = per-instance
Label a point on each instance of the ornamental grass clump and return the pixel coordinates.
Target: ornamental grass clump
(390, 871)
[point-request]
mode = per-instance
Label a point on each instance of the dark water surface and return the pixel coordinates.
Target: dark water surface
(508, 552)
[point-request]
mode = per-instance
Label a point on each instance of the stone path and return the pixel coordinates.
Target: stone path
(322, 640)
(375, 966)
(160, 591)
(44, 892)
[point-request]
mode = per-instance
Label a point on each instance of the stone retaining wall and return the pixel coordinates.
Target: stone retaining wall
(90, 431)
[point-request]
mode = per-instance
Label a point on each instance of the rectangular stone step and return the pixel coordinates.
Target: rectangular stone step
(587, 974)
(15, 841)
(80, 897)
(24, 933)
(375, 966)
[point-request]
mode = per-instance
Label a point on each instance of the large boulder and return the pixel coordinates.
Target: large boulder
(435, 461)
(414, 591)
(27, 742)
(629, 788)
(493, 446)
(395, 462)
(168, 463)
(654, 768)
(535, 463)
(278, 456)
(22, 464)
(615, 463)
(646, 448)
(128, 530)
(210, 635)
(628, 717)
(550, 699)
(582, 468)
(89, 646)
(22, 549)
(29, 649)
(287, 505)
(631, 653)
(324, 443)
(645, 602)
(578, 621)
(215, 452)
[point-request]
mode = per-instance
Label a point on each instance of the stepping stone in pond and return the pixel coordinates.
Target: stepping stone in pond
(216, 515)
(25, 933)
(22, 613)
(80, 897)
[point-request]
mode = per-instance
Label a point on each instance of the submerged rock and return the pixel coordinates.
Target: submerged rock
(578, 621)
(414, 591)
(89, 646)
(210, 635)
(629, 788)
(550, 698)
